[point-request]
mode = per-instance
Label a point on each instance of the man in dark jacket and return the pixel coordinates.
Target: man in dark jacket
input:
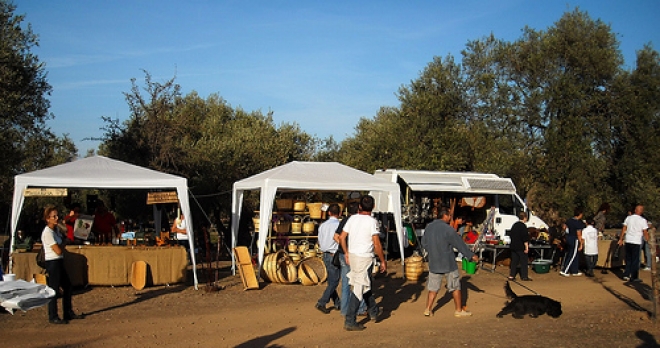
(519, 248)
(439, 241)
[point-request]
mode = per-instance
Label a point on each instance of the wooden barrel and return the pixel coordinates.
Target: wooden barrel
(414, 268)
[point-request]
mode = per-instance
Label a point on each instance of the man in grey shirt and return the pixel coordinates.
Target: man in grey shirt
(439, 241)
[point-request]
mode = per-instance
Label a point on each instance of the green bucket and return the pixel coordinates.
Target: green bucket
(464, 262)
(470, 267)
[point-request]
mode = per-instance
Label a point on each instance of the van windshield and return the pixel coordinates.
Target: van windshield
(509, 205)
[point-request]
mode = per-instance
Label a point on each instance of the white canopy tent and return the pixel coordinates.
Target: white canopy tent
(313, 176)
(102, 172)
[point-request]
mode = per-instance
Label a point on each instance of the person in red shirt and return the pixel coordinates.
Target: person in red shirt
(70, 220)
(105, 224)
(468, 233)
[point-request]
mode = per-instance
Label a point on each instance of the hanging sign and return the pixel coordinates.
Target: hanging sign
(162, 197)
(45, 192)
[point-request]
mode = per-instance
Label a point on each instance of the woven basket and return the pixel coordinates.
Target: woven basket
(283, 226)
(308, 226)
(303, 246)
(317, 266)
(278, 268)
(299, 205)
(307, 275)
(295, 257)
(296, 225)
(315, 210)
(414, 267)
(292, 247)
(284, 204)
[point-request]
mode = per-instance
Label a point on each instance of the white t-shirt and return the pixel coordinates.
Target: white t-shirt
(360, 229)
(181, 224)
(590, 236)
(48, 239)
(635, 226)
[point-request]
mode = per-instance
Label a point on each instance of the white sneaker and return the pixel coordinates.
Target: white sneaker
(578, 274)
(462, 314)
(646, 269)
(626, 278)
(564, 274)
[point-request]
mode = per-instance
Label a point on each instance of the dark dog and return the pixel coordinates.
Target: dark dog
(534, 305)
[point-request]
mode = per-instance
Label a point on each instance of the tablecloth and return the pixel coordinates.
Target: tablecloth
(111, 265)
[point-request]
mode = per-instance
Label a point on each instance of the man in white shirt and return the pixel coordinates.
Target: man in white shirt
(634, 232)
(329, 247)
(360, 239)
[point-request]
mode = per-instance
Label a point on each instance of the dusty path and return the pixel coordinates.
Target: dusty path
(603, 311)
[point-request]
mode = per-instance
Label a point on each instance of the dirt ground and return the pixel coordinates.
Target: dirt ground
(602, 311)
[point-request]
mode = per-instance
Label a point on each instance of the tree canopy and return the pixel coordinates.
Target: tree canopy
(204, 140)
(555, 110)
(25, 139)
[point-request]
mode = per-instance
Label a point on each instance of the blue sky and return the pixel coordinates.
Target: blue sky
(322, 64)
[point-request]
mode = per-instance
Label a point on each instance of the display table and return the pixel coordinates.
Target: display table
(111, 265)
(497, 249)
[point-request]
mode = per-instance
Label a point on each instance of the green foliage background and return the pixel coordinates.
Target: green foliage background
(555, 110)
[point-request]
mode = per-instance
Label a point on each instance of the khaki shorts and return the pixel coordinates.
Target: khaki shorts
(453, 281)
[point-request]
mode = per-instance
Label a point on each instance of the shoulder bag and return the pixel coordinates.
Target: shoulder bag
(41, 258)
(335, 258)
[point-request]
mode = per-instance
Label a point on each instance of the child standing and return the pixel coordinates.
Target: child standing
(590, 237)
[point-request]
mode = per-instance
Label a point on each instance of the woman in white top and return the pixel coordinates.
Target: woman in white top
(53, 243)
(179, 226)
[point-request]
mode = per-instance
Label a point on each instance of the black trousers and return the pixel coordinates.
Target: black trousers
(59, 281)
(518, 257)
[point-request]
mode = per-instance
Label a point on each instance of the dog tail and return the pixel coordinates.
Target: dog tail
(509, 293)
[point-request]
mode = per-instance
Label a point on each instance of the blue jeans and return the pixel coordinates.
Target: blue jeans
(333, 281)
(647, 254)
(632, 260)
(354, 304)
(592, 260)
(346, 288)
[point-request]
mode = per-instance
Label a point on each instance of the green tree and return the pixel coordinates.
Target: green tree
(427, 131)
(26, 140)
(635, 147)
(204, 140)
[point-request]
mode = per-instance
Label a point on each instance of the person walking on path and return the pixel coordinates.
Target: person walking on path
(601, 218)
(352, 209)
(590, 237)
(360, 239)
(633, 233)
(519, 248)
(439, 241)
(329, 247)
(574, 227)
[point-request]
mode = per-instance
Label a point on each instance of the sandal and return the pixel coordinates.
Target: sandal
(511, 278)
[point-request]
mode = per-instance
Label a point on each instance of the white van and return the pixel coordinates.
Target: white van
(472, 194)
